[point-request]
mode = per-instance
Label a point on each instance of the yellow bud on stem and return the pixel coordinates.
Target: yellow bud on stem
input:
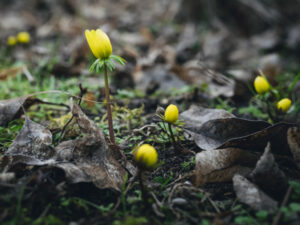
(171, 114)
(99, 43)
(11, 40)
(284, 104)
(146, 156)
(23, 37)
(261, 85)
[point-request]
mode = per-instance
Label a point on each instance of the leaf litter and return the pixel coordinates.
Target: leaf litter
(258, 180)
(86, 159)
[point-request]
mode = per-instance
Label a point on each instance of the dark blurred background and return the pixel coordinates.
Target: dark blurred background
(191, 39)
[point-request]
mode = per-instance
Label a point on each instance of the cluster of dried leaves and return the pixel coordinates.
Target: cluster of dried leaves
(233, 150)
(86, 159)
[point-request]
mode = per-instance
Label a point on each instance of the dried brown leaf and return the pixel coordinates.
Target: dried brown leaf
(12, 108)
(10, 72)
(268, 176)
(196, 116)
(251, 195)
(275, 134)
(86, 159)
(221, 165)
(33, 140)
(211, 128)
(293, 139)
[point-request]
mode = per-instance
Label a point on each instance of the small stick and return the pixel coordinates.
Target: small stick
(213, 204)
(284, 202)
(28, 74)
(82, 93)
(52, 103)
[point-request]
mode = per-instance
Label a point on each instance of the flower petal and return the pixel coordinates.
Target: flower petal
(105, 43)
(91, 41)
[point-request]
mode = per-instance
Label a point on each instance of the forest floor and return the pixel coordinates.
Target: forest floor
(236, 156)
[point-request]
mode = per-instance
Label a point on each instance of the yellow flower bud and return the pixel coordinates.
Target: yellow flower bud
(99, 43)
(261, 85)
(284, 104)
(171, 114)
(11, 40)
(23, 37)
(146, 156)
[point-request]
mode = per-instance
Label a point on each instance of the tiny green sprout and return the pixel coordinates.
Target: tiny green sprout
(100, 46)
(284, 105)
(146, 159)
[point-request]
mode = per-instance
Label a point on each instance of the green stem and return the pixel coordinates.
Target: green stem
(173, 138)
(143, 190)
(109, 116)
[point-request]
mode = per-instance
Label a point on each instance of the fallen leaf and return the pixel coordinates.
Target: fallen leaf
(10, 72)
(211, 128)
(33, 140)
(251, 195)
(196, 116)
(293, 139)
(92, 154)
(86, 159)
(275, 134)
(268, 176)
(214, 133)
(12, 108)
(221, 165)
(89, 99)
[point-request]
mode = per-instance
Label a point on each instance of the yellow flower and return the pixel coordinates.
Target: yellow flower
(284, 104)
(99, 43)
(23, 37)
(171, 114)
(11, 40)
(146, 156)
(261, 85)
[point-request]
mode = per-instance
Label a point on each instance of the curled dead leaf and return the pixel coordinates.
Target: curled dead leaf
(12, 108)
(86, 159)
(213, 128)
(33, 140)
(268, 176)
(196, 116)
(221, 165)
(275, 134)
(251, 195)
